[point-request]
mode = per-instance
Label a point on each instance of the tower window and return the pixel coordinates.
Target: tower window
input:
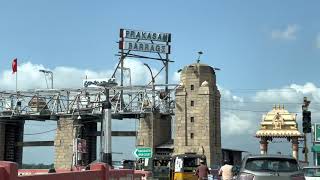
(192, 103)
(191, 135)
(192, 119)
(192, 87)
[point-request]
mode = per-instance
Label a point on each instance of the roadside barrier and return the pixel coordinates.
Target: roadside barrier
(98, 171)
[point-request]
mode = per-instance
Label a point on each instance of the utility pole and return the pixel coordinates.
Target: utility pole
(106, 154)
(305, 149)
(306, 125)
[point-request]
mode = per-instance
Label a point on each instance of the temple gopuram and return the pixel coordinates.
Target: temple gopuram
(279, 123)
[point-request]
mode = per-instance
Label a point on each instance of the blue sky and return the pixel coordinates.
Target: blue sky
(257, 44)
(234, 35)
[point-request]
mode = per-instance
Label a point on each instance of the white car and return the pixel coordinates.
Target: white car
(312, 172)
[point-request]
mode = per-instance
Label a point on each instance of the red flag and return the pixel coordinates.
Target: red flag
(14, 66)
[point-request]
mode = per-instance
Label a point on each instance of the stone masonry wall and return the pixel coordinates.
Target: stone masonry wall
(145, 131)
(197, 113)
(154, 130)
(162, 129)
(64, 143)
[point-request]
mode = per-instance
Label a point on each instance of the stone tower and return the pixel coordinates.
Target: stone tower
(197, 114)
(154, 130)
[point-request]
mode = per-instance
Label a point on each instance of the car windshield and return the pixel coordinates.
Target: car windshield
(312, 172)
(272, 165)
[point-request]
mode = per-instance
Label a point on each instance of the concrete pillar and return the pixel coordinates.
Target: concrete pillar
(11, 133)
(2, 140)
(145, 131)
(106, 155)
(162, 128)
(89, 134)
(63, 143)
(154, 130)
(295, 148)
(263, 146)
(19, 138)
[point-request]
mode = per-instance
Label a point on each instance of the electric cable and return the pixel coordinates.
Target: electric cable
(44, 132)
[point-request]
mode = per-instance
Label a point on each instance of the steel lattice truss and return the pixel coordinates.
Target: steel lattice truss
(50, 103)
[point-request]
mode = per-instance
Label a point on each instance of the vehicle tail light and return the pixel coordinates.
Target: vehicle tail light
(298, 177)
(246, 176)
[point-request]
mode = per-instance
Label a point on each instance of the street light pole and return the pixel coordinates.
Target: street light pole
(152, 81)
(51, 76)
(129, 70)
(153, 106)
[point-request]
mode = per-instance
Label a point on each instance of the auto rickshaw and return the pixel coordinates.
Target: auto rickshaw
(183, 166)
(159, 165)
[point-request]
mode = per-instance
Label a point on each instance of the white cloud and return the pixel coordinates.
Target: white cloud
(29, 76)
(240, 116)
(140, 74)
(227, 95)
(244, 114)
(176, 77)
(289, 33)
(289, 94)
(240, 119)
(234, 123)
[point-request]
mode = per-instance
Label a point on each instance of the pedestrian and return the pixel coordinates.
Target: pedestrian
(226, 171)
(202, 171)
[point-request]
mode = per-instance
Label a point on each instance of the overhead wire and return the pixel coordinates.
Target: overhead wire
(259, 111)
(262, 102)
(267, 90)
(44, 132)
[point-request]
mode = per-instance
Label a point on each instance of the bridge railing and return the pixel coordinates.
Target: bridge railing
(98, 171)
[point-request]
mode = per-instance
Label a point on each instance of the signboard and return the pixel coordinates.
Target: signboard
(144, 35)
(145, 47)
(316, 132)
(145, 152)
(93, 82)
(128, 36)
(178, 165)
(317, 159)
(99, 82)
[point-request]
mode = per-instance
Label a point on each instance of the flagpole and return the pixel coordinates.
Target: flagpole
(17, 81)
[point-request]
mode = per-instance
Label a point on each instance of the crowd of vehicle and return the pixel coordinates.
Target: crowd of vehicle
(253, 167)
(275, 167)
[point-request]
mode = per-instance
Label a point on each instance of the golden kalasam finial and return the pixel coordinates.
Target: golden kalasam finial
(274, 106)
(279, 107)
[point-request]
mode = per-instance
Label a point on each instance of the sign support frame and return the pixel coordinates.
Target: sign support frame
(123, 54)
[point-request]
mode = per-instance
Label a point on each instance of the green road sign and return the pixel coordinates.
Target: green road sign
(316, 132)
(144, 152)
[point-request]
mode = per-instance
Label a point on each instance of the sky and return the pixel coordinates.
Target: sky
(268, 53)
